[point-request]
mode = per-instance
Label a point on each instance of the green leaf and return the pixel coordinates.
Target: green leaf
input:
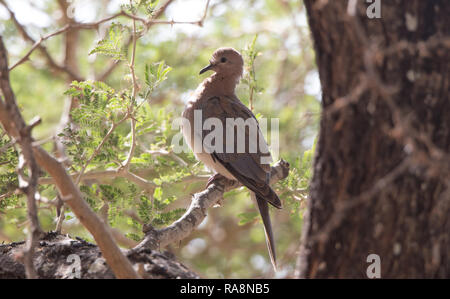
(247, 217)
(157, 194)
(134, 237)
(112, 45)
(155, 74)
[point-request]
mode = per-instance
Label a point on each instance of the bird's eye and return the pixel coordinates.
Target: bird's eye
(223, 59)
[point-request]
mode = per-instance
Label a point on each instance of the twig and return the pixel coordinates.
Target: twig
(5, 147)
(118, 236)
(97, 150)
(143, 183)
(61, 218)
(7, 194)
(113, 65)
(91, 175)
(170, 153)
(126, 164)
(38, 45)
(105, 174)
(131, 176)
(93, 25)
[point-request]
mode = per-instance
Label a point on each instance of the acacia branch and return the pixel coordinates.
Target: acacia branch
(7, 194)
(99, 146)
(114, 63)
(13, 124)
(135, 88)
(126, 174)
(22, 135)
(201, 202)
(38, 45)
(92, 25)
(122, 171)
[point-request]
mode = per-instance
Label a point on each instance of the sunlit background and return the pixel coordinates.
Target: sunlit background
(290, 90)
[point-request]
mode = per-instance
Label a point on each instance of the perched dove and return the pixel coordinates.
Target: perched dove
(215, 98)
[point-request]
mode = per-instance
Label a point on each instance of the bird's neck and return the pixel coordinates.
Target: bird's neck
(218, 84)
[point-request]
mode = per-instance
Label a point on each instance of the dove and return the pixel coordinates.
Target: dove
(243, 156)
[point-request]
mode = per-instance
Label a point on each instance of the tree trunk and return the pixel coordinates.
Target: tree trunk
(382, 168)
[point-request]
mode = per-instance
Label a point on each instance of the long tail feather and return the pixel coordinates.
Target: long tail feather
(264, 211)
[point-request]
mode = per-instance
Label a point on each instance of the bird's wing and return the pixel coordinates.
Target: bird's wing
(247, 166)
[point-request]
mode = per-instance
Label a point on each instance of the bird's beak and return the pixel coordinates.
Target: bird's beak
(207, 68)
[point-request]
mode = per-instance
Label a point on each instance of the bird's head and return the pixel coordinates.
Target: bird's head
(226, 62)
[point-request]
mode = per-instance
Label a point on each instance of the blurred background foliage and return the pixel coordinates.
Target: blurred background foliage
(282, 81)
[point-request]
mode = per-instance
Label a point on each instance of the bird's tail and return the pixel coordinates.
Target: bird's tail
(264, 211)
(272, 198)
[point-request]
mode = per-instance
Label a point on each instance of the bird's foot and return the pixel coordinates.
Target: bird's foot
(219, 203)
(213, 178)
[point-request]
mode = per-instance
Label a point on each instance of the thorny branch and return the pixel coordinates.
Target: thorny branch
(135, 88)
(201, 202)
(38, 45)
(113, 65)
(131, 176)
(147, 23)
(99, 146)
(14, 125)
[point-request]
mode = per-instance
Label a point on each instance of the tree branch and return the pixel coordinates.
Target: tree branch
(38, 45)
(201, 202)
(112, 66)
(122, 173)
(99, 146)
(135, 88)
(93, 25)
(71, 38)
(13, 124)
(27, 183)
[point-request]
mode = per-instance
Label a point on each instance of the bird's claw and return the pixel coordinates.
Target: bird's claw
(219, 202)
(213, 178)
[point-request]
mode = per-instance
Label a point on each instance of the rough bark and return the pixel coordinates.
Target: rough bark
(52, 260)
(381, 174)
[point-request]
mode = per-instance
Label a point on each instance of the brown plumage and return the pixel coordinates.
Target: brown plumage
(215, 97)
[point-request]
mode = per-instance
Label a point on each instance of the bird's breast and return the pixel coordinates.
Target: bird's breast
(189, 134)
